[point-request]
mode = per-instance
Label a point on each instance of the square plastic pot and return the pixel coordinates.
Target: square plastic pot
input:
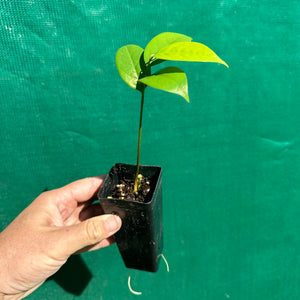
(140, 239)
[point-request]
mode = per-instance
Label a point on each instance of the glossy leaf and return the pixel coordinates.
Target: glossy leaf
(128, 64)
(170, 79)
(162, 40)
(189, 51)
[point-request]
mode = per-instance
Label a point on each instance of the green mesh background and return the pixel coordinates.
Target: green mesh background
(230, 158)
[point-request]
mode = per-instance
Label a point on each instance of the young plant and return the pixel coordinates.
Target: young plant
(134, 66)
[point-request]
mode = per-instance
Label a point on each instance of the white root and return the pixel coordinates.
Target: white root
(130, 288)
(129, 277)
(165, 260)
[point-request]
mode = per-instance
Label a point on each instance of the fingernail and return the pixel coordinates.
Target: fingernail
(112, 223)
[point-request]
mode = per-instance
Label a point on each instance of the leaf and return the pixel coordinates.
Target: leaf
(128, 64)
(170, 79)
(162, 40)
(189, 51)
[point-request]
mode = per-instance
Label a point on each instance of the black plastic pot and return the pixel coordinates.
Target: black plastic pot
(140, 239)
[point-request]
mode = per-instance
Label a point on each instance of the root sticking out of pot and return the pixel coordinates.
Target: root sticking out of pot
(130, 288)
(129, 276)
(165, 260)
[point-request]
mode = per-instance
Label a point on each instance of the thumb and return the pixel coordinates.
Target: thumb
(87, 233)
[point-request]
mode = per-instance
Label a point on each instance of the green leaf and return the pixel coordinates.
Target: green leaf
(189, 51)
(162, 40)
(128, 64)
(170, 79)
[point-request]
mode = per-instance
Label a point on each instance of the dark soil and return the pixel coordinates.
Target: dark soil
(125, 190)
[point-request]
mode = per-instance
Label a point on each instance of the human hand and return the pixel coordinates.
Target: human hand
(55, 225)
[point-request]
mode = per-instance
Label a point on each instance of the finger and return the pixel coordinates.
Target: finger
(104, 243)
(80, 190)
(70, 239)
(91, 211)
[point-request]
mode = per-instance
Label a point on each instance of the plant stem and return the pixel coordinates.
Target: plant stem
(139, 145)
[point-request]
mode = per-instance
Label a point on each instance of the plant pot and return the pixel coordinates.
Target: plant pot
(140, 239)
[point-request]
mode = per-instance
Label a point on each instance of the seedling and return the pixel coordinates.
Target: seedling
(139, 204)
(134, 65)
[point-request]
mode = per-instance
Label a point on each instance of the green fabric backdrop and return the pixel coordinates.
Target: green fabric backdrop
(230, 158)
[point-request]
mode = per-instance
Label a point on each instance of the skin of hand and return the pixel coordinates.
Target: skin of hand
(54, 226)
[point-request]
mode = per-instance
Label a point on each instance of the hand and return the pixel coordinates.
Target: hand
(55, 225)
